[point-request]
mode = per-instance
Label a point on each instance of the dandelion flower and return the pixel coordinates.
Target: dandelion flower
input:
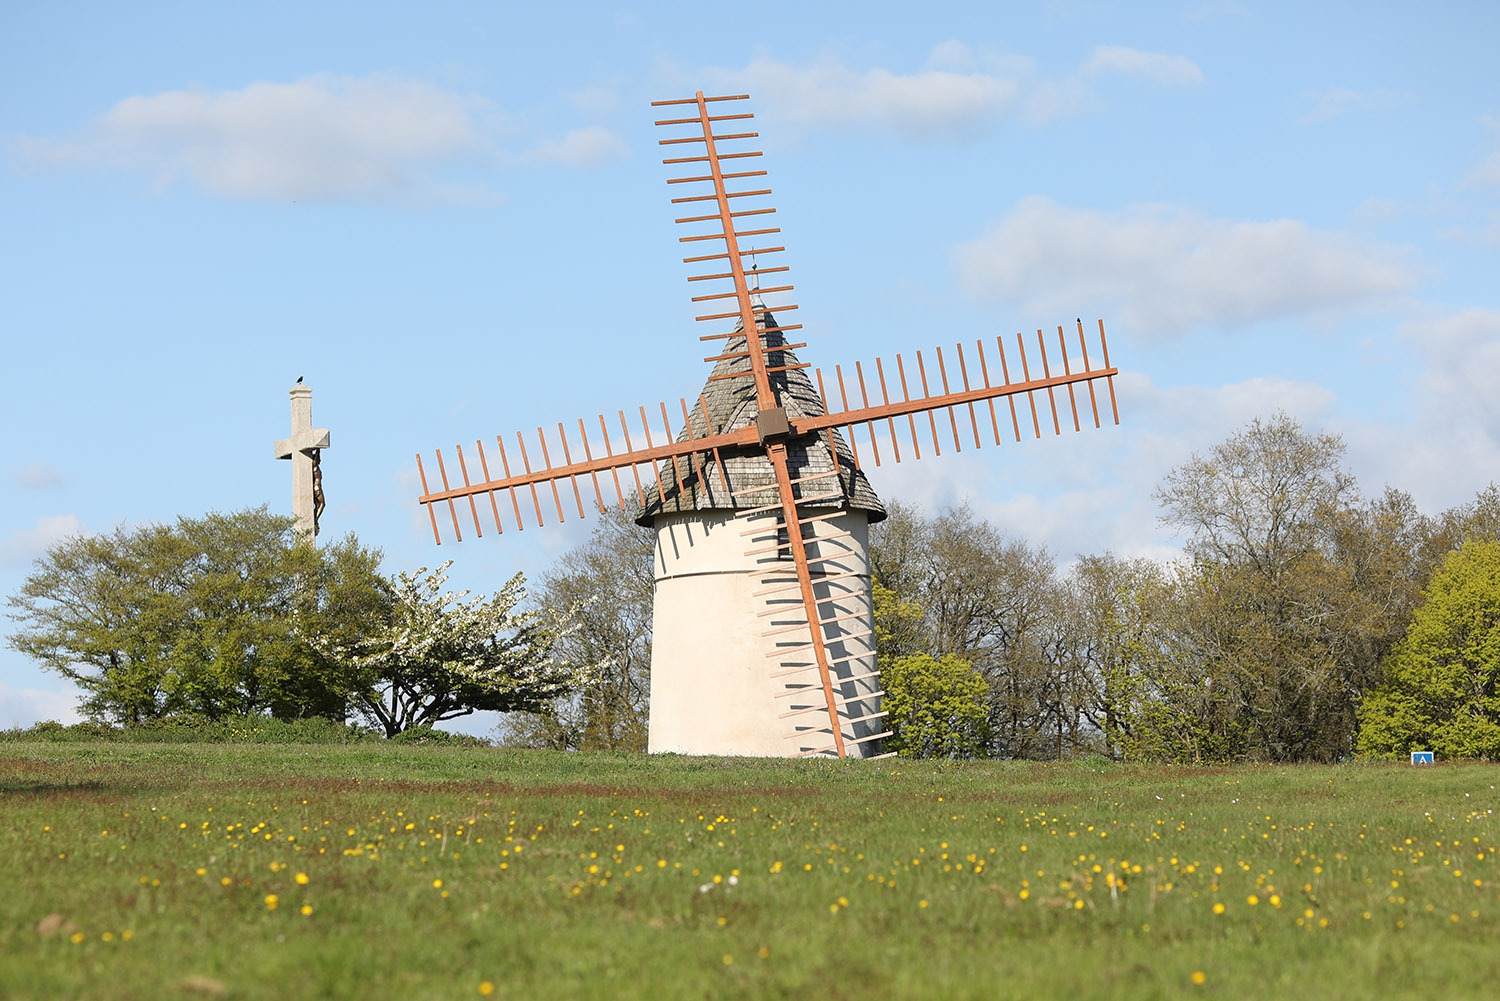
(922, 904)
(728, 959)
(1218, 908)
(1199, 977)
(437, 884)
(301, 878)
(271, 901)
(486, 988)
(1252, 900)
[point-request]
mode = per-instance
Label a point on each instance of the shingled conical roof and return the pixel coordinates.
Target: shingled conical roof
(751, 478)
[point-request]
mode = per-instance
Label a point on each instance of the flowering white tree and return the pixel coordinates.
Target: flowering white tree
(443, 654)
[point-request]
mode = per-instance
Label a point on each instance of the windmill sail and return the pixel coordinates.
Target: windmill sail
(763, 441)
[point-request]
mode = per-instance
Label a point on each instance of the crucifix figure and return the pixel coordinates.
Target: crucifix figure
(305, 448)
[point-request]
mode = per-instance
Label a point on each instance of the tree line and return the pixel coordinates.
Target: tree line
(1285, 633)
(1304, 622)
(1292, 628)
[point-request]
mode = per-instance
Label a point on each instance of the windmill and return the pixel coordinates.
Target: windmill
(763, 627)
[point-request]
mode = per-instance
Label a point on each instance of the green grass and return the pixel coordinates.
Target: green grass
(617, 876)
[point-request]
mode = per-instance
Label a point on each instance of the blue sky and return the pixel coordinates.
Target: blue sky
(452, 219)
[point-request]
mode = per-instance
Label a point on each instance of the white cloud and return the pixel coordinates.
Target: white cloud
(1462, 375)
(321, 137)
(1169, 71)
(924, 104)
(1165, 270)
(953, 56)
(22, 707)
(953, 98)
(586, 147)
(25, 545)
(1444, 445)
(38, 475)
(1335, 102)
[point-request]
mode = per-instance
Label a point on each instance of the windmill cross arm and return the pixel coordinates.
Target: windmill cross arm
(620, 460)
(806, 425)
(303, 441)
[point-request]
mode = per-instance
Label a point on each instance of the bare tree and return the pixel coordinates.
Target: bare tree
(986, 599)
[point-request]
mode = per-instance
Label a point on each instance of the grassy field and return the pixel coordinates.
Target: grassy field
(371, 871)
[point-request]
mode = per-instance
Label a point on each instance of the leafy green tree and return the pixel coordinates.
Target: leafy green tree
(937, 708)
(352, 597)
(196, 619)
(441, 654)
(899, 625)
(1443, 687)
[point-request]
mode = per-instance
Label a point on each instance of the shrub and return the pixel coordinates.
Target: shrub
(937, 707)
(1440, 690)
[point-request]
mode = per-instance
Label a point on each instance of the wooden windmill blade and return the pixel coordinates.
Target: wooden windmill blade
(720, 196)
(1033, 389)
(545, 488)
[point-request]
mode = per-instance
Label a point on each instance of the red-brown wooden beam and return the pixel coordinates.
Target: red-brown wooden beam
(922, 404)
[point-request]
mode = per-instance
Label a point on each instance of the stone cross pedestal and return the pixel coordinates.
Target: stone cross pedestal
(303, 448)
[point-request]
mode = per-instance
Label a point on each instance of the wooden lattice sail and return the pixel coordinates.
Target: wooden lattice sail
(761, 440)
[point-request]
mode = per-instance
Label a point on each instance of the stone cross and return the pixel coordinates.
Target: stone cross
(303, 448)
